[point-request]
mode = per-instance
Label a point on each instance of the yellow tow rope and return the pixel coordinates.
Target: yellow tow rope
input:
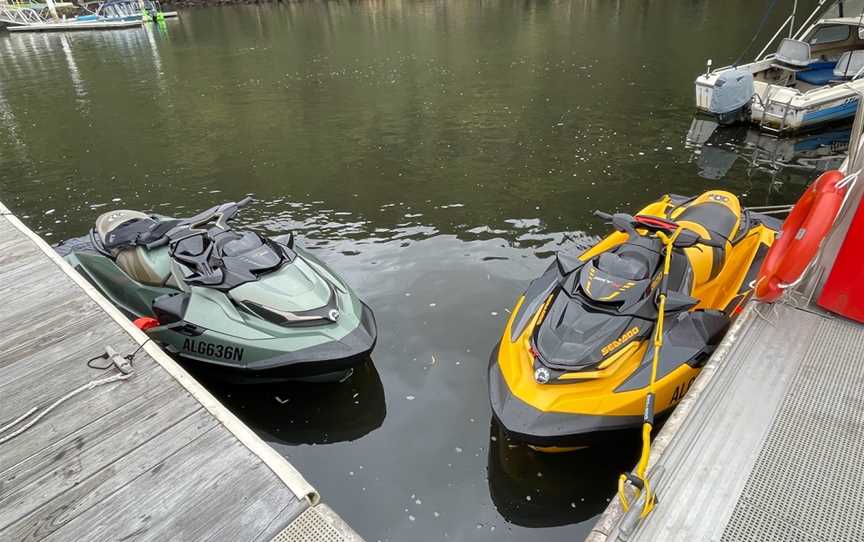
(638, 478)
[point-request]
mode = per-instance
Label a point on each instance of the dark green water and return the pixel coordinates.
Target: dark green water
(434, 152)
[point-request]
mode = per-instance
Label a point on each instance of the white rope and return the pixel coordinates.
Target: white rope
(88, 386)
(18, 420)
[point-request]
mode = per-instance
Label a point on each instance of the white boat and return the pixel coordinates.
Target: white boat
(814, 77)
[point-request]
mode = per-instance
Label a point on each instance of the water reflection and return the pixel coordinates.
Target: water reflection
(794, 158)
(301, 413)
(433, 153)
(74, 74)
(533, 489)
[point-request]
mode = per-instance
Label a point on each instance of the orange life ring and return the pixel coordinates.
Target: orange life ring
(802, 233)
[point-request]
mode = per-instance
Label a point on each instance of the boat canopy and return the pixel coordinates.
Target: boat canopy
(849, 21)
(841, 8)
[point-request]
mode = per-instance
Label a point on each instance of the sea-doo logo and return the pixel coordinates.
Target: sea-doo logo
(542, 375)
(629, 334)
(333, 315)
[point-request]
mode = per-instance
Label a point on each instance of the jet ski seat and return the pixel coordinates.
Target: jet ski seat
(715, 215)
(134, 261)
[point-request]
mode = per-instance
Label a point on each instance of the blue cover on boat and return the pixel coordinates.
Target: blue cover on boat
(733, 90)
(817, 73)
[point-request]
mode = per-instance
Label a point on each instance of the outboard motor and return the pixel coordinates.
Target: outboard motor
(731, 95)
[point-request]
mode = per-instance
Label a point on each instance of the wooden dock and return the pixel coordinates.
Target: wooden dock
(151, 457)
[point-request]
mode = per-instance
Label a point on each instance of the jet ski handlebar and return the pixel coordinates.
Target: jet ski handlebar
(620, 221)
(161, 242)
(627, 224)
(195, 226)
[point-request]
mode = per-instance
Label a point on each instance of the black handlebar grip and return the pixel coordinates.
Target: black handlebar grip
(602, 215)
(162, 241)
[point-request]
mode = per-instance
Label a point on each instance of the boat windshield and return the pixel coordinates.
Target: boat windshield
(842, 8)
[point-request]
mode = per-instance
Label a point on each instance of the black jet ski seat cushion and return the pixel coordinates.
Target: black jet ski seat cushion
(716, 215)
(114, 228)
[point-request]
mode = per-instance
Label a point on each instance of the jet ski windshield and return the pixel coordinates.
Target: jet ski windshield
(628, 268)
(620, 277)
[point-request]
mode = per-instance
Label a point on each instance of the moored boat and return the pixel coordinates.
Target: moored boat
(813, 78)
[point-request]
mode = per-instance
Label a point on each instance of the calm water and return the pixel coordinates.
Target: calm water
(437, 153)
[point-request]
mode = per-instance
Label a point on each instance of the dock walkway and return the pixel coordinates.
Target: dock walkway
(767, 445)
(152, 457)
(770, 449)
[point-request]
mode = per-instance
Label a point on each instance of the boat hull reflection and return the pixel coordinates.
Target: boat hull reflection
(294, 413)
(535, 489)
(717, 148)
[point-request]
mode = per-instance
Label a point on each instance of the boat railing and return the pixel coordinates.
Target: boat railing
(790, 23)
(22, 16)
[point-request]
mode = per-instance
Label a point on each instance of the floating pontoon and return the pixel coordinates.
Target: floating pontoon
(128, 9)
(74, 24)
(113, 14)
(766, 446)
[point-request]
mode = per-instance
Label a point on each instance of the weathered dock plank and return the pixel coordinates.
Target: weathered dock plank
(153, 457)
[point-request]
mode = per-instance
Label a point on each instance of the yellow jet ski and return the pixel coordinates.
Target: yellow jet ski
(575, 359)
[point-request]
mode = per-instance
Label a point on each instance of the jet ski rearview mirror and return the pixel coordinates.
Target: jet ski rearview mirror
(678, 301)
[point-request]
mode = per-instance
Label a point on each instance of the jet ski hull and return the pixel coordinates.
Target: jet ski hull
(212, 332)
(327, 361)
(547, 430)
(541, 397)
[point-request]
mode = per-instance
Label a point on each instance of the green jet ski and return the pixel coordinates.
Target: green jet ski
(247, 307)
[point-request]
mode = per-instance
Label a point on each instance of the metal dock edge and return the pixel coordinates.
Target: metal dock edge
(154, 457)
(768, 445)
